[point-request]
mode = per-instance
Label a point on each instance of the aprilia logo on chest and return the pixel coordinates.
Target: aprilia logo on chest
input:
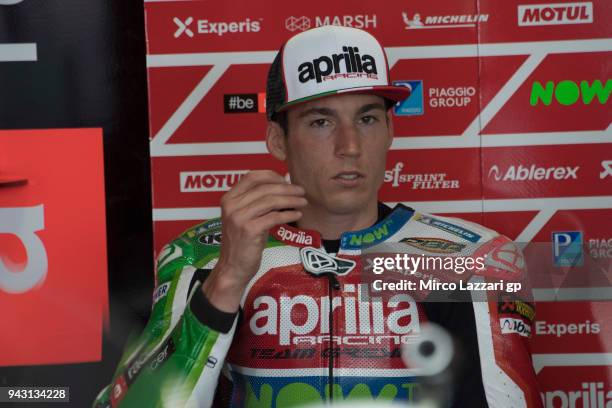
(348, 64)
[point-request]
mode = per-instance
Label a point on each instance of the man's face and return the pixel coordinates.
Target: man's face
(336, 149)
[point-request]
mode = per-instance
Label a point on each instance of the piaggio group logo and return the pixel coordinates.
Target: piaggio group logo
(533, 172)
(413, 104)
(567, 248)
(219, 28)
(303, 23)
(443, 21)
(555, 14)
(568, 93)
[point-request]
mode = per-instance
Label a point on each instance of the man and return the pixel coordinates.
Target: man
(271, 293)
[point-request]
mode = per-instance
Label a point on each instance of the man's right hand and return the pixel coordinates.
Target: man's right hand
(261, 200)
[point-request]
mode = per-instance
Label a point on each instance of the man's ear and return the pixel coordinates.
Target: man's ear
(276, 141)
(390, 126)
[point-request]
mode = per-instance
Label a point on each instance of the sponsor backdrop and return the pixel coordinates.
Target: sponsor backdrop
(508, 125)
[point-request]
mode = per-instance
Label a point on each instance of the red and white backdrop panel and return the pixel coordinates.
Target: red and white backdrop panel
(52, 246)
(502, 92)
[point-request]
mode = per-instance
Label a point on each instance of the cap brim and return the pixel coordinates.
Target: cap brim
(392, 93)
(12, 180)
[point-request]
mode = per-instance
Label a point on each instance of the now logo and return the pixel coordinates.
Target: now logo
(567, 92)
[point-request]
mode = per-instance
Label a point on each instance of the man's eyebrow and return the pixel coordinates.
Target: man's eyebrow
(319, 111)
(371, 106)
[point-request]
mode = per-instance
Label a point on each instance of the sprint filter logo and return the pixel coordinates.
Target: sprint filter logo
(555, 13)
(346, 64)
(188, 27)
(569, 93)
(207, 181)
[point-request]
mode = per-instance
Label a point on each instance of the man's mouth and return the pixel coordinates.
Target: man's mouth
(348, 177)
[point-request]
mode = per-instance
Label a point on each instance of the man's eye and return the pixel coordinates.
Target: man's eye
(369, 119)
(319, 123)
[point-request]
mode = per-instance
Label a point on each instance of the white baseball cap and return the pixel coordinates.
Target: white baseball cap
(326, 61)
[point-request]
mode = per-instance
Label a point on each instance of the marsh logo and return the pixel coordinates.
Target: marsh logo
(24, 223)
(303, 23)
(568, 93)
(555, 13)
(444, 21)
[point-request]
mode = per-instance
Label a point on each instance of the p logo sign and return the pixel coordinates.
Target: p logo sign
(567, 248)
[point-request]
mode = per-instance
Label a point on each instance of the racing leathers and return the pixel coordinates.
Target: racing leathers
(305, 337)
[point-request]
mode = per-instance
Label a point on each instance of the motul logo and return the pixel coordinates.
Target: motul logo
(205, 181)
(361, 318)
(556, 13)
(522, 173)
(348, 64)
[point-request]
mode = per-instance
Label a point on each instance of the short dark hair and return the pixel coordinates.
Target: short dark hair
(282, 119)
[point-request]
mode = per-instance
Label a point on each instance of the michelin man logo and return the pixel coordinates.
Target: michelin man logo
(24, 222)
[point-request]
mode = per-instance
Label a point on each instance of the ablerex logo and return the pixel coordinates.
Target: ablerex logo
(418, 181)
(206, 181)
(220, 28)
(533, 172)
(346, 64)
(568, 92)
(555, 13)
(443, 21)
(304, 23)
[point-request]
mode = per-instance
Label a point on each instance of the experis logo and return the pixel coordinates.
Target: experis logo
(220, 28)
(524, 173)
(24, 222)
(346, 64)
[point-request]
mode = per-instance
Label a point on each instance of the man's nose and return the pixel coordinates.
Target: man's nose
(348, 141)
